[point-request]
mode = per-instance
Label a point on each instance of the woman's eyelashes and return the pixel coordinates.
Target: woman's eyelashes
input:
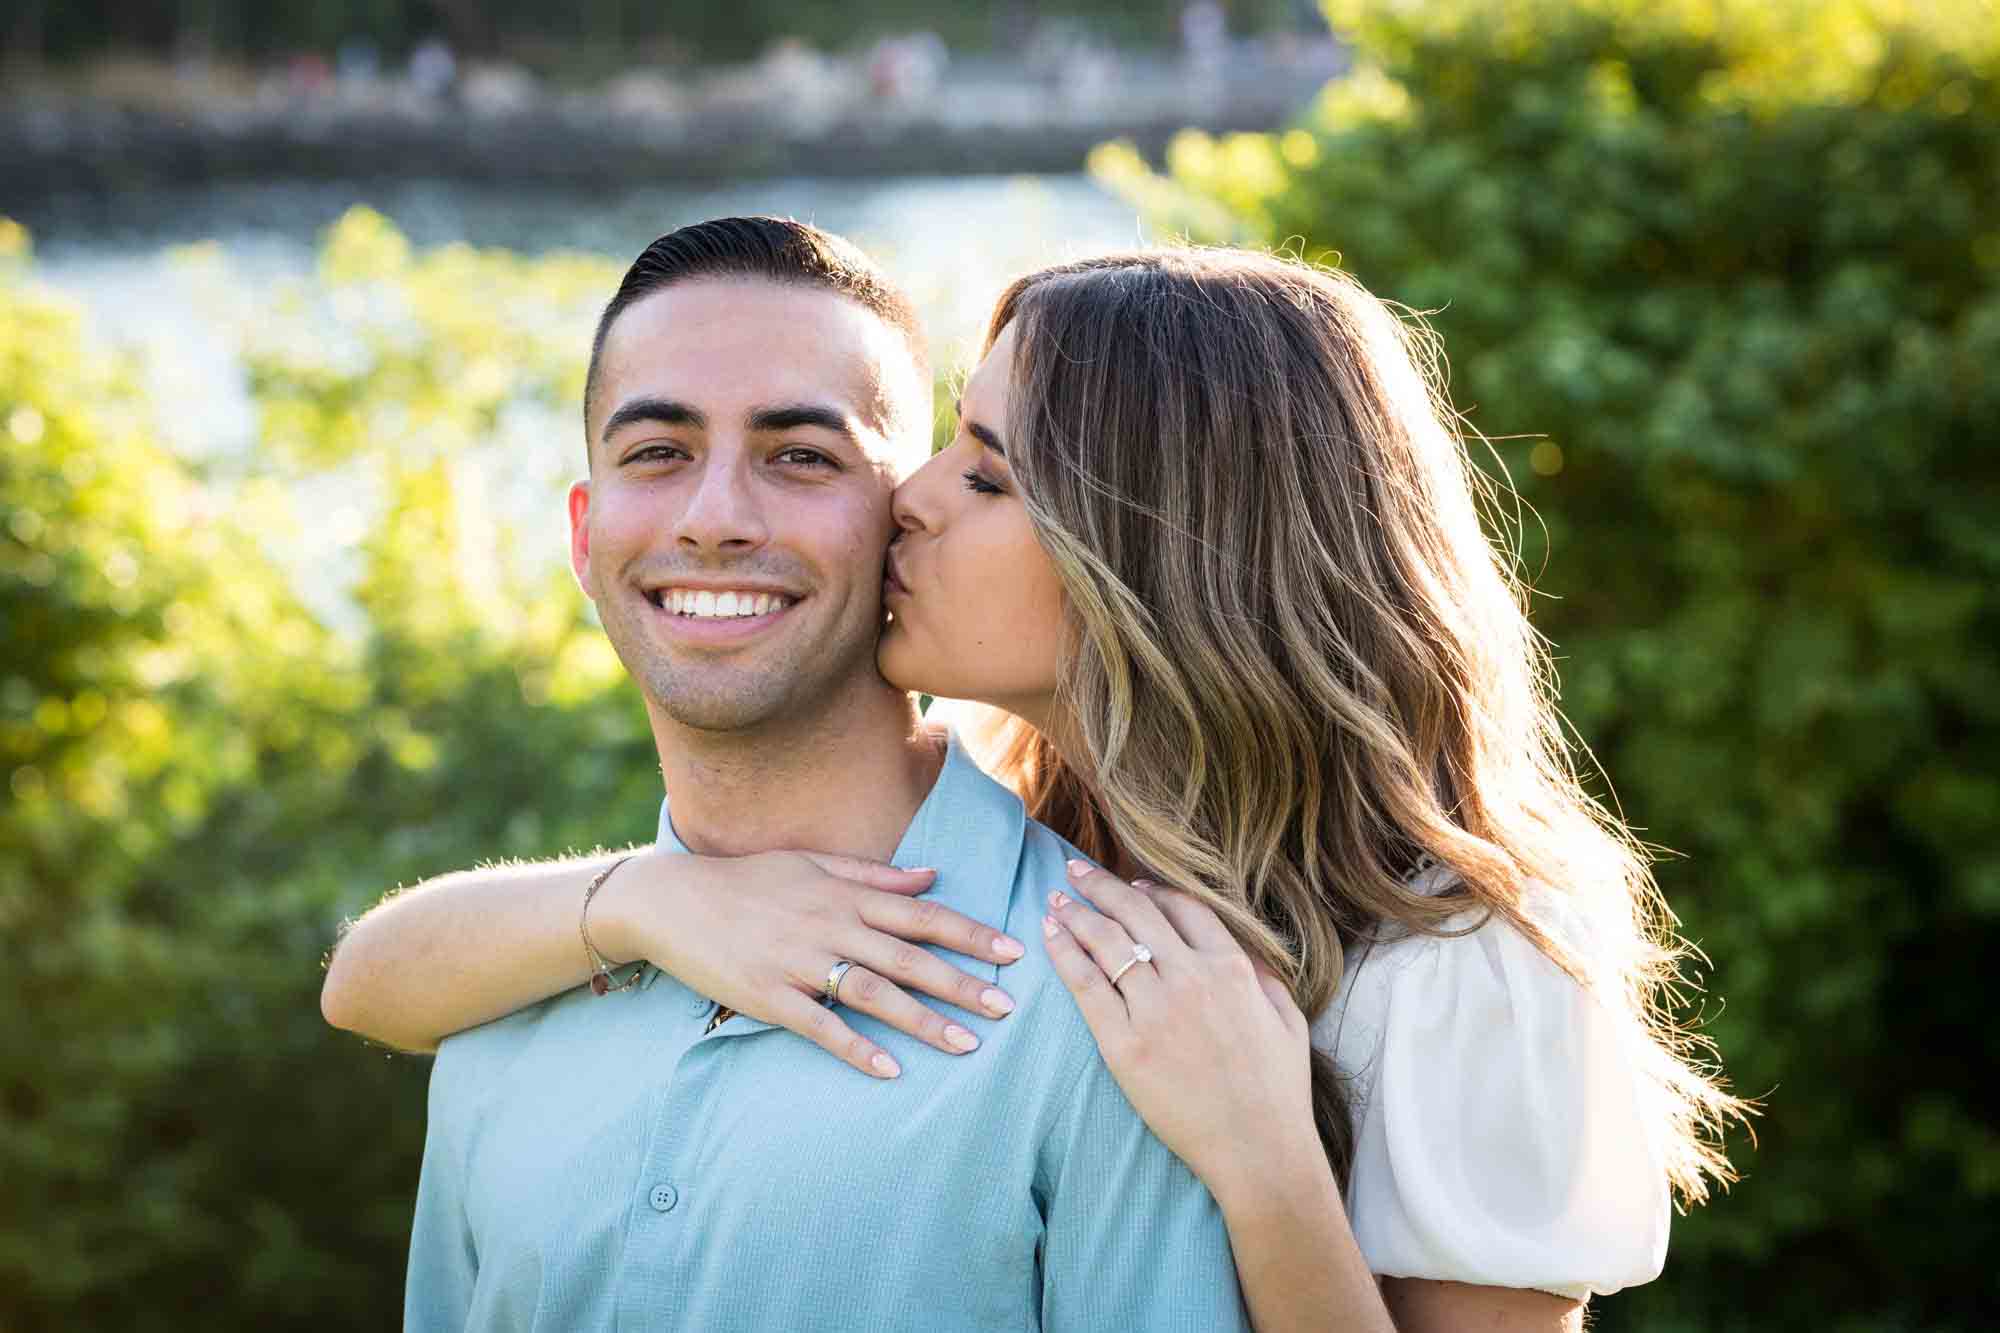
(979, 484)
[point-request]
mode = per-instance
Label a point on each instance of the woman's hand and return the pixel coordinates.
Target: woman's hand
(1206, 1043)
(758, 934)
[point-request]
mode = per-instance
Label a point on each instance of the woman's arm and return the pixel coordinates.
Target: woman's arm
(462, 949)
(1205, 1043)
(1300, 1269)
(754, 933)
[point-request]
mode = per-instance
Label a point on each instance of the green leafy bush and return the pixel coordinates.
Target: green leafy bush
(1723, 282)
(203, 778)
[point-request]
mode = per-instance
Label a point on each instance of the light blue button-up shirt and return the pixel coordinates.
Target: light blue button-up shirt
(600, 1163)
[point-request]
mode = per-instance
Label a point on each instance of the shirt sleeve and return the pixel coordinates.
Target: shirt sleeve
(1503, 1121)
(444, 1266)
(1133, 1239)
(1504, 1134)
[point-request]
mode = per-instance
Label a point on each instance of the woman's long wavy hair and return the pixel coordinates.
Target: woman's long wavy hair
(1298, 668)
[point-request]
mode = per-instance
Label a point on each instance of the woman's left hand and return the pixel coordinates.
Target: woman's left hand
(1206, 1043)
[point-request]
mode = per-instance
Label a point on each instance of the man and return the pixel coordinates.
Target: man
(622, 1161)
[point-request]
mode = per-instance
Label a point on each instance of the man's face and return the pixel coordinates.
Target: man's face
(743, 445)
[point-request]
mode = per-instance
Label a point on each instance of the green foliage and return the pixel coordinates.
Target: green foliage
(1723, 282)
(1734, 266)
(203, 778)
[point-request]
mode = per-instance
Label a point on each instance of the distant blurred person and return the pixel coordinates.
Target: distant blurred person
(1207, 547)
(1205, 48)
(433, 68)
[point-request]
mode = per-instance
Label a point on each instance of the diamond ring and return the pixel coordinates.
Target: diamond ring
(1140, 954)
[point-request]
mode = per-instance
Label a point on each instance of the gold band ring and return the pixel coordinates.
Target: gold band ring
(834, 976)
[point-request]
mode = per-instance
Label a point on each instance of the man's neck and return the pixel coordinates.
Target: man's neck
(847, 780)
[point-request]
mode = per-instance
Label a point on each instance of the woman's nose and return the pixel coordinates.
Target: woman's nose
(914, 504)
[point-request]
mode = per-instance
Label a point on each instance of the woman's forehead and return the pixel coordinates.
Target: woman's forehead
(989, 389)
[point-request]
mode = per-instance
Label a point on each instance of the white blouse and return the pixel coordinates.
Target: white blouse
(1500, 1111)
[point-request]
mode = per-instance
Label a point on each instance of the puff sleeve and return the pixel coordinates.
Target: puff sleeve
(1501, 1117)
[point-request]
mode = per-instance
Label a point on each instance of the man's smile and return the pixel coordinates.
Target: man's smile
(716, 614)
(712, 603)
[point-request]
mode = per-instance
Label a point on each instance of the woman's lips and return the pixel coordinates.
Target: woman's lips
(892, 581)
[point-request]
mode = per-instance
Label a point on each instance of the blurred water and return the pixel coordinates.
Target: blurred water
(953, 242)
(936, 233)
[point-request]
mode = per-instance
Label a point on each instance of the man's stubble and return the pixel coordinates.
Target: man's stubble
(771, 691)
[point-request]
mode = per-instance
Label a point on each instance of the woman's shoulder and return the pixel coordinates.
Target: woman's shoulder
(1504, 1128)
(1417, 970)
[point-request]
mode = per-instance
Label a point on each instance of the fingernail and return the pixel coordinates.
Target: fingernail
(1078, 869)
(1142, 883)
(997, 1000)
(923, 870)
(960, 1038)
(1008, 947)
(1058, 898)
(884, 1065)
(1049, 926)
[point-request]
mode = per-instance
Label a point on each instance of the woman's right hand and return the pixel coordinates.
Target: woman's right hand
(758, 934)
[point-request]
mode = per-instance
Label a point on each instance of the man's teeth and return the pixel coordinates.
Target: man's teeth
(717, 605)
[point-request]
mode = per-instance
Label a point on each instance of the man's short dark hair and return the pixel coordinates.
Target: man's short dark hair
(780, 250)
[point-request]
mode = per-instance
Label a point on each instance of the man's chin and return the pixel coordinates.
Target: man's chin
(719, 710)
(720, 701)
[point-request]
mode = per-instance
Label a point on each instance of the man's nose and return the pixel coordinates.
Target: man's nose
(724, 512)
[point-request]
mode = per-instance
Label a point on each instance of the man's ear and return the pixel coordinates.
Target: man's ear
(579, 536)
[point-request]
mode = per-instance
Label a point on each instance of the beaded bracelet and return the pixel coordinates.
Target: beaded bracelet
(600, 974)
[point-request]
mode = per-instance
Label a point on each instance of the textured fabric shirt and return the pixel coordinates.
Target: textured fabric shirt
(602, 1163)
(1506, 1132)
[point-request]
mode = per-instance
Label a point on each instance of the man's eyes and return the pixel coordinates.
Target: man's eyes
(655, 453)
(794, 455)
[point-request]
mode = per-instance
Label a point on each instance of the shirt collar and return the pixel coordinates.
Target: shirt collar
(969, 829)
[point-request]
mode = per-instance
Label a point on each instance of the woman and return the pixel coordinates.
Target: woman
(1205, 540)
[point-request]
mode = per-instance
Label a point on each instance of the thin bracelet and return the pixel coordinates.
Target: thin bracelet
(600, 975)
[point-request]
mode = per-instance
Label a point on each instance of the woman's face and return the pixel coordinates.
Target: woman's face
(976, 609)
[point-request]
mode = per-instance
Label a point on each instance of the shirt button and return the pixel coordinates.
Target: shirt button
(700, 1005)
(664, 1197)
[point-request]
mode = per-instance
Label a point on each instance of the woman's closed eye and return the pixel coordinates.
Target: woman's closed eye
(980, 484)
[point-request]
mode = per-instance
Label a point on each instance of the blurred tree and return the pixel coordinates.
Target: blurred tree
(202, 778)
(1736, 266)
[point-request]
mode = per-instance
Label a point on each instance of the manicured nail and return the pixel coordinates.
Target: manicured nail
(923, 870)
(1058, 899)
(1008, 947)
(1142, 884)
(1078, 869)
(997, 1000)
(1049, 926)
(884, 1066)
(959, 1037)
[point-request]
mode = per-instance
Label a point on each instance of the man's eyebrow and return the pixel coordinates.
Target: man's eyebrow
(663, 411)
(794, 415)
(979, 432)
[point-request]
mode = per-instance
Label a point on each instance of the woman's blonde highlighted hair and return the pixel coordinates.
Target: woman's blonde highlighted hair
(1298, 668)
